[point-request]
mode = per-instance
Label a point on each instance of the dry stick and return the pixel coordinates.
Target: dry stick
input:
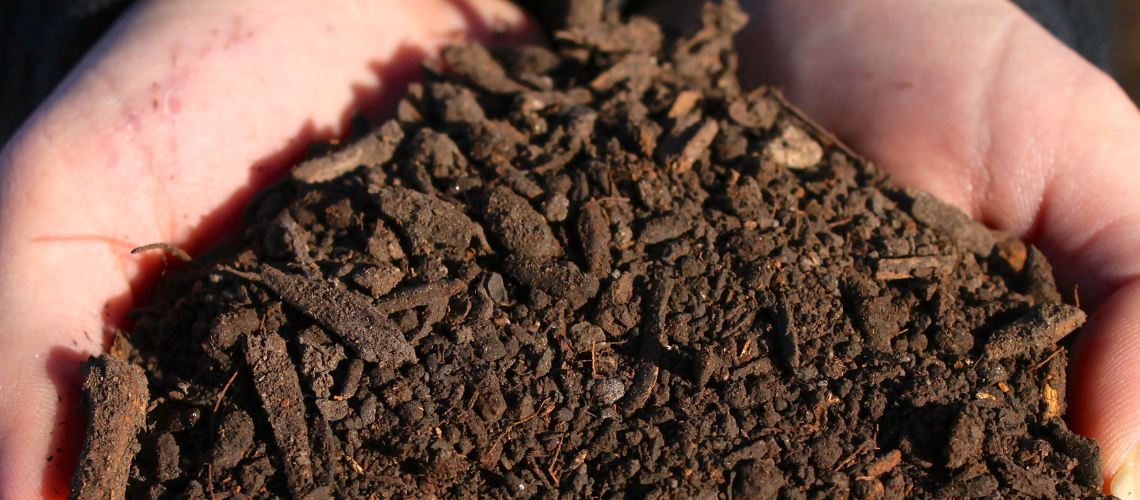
(840, 222)
(224, 389)
(613, 199)
(1043, 363)
(542, 409)
(538, 472)
(554, 462)
(594, 359)
(848, 461)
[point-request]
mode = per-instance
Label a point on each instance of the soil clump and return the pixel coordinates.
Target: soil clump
(601, 269)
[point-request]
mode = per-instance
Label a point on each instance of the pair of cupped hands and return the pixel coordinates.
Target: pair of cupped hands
(187, 107)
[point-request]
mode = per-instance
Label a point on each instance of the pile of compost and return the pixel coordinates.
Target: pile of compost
(601, 269)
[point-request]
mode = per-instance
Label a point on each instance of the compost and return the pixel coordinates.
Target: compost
(601, 269)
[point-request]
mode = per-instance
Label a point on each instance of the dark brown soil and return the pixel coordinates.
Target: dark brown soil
(599, 270)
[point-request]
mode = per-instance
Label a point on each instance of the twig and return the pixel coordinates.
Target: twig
(538, 472)
(840, 222)
(553, 463)
(613, 199)
(225, 388)
(1043, 363)
(594, 359)
(544, 408)
(848, 461)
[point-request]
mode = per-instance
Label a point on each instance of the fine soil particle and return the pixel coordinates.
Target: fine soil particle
(600, 269)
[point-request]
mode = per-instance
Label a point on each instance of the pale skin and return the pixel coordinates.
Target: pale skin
(189, 106)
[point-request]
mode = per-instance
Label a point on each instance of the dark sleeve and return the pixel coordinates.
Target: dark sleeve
(1082, 24)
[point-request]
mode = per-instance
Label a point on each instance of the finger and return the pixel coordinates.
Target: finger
(175, 119)
(1102, 387)
(974, 102)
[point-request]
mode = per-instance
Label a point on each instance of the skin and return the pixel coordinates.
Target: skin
(189, 106)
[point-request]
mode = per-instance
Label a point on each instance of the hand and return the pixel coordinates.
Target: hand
(953, 98)
(182, 112)
(976, 103)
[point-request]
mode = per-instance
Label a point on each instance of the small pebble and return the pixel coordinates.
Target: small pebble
(556, 208)
(608, 391)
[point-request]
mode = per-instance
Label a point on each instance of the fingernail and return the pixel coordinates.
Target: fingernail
(1126, 482)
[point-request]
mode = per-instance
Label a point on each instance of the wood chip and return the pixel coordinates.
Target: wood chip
(641, 68)
(913, 267)
(419, 296)
(787, 337)
(583, 12)
(965, 440)
(473, 62)
(756, 110)
(1053, 407)
(684, 103)
(753, 451)
(951, 222)
(1043, 326)
(653, 341)
(563, 280)
(279, 388)
(883, 464)
(375, 148)
(115, 394)
(346, 314)
(682, 152)
(429, 224)
(595, 236)
(518, 227)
